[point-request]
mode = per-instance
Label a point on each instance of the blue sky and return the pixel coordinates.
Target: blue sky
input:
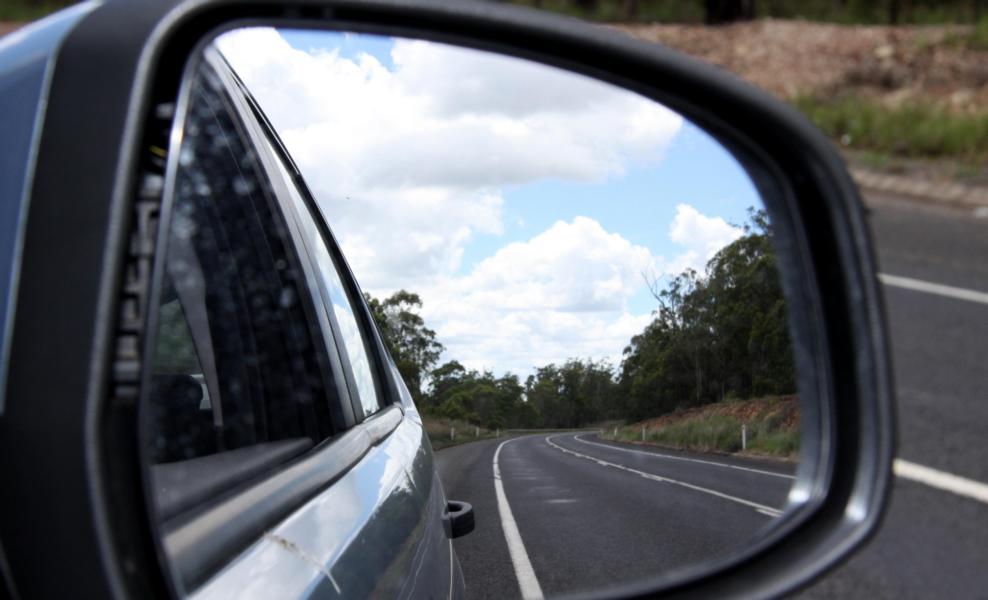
(447, 172)
(349, 45)
(639, 203)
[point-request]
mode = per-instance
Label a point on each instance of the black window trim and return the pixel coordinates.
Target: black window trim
(337, 339)
(380, 357)
(321, 354)
(196, 542)
(342, 372)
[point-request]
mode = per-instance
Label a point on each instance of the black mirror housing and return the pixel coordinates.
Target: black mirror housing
(93, 144)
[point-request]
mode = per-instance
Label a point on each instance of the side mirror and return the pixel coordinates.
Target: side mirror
(117, 146)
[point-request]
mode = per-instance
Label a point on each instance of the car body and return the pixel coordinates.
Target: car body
(318, 483)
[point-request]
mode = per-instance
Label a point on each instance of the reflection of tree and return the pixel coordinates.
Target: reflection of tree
(174, 351)
(387, 535)
(723, 334)
(413, 346)
(714, 335)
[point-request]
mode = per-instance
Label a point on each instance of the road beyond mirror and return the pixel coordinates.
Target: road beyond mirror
(577, 286)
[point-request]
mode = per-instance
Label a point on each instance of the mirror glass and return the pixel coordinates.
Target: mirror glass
(577, 286)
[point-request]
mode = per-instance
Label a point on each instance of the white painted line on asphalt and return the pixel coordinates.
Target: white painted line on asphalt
(579, 438)
(527, 581)
(939, 289)
(941, 480)
(761, 508)
(451, 570)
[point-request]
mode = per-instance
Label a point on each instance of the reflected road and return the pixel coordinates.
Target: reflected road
(592, 514)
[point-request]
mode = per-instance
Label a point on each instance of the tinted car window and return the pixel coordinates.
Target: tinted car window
(354, 342)
(236, 363)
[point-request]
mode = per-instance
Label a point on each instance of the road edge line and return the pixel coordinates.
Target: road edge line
(524, 573)
(939, 289)
(941, 480)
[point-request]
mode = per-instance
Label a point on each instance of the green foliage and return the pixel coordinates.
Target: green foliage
(413, 346)
(721, 335)
(439, 429)
(783, 442)
(712, 432)
(29, 10)
(174, 350)
(494, 402)
(974, 39)
(575, 394)
(917, 129)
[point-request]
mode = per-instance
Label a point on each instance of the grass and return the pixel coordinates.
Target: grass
(975, 39)
(916, 130)
(27, 10)
(718, 433)
(439, 432)
(876, 160)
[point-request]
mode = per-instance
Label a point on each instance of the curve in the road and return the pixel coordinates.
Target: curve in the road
(579, 438)
(527, 581)
(761, 508)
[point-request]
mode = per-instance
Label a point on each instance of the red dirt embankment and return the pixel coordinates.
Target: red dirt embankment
(785, 408)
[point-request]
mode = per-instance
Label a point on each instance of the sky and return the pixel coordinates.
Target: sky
(525, 204)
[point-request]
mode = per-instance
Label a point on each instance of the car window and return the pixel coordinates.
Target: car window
(237, 374)
(355, 343)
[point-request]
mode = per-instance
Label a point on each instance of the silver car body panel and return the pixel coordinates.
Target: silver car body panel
(373, 533)
(376, 531)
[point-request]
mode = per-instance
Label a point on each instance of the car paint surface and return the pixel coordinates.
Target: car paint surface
(375, 532)
(372, 533)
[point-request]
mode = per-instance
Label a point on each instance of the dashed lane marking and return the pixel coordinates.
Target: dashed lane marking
(760, 508)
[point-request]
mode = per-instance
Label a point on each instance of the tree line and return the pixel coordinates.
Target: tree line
(718, 12)
(714, 336)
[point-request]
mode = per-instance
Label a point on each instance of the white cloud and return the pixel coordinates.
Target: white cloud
(561, 294)
(702, 236)
(409, 165)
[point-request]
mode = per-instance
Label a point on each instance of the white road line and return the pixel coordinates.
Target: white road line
(761, 508)
(933, 288)
(527, 581)
(451, 570)
(696, 460)
(941, 480)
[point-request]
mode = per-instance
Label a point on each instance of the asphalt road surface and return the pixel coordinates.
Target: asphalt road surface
(587, 514)
(933, 543)
(591, 514)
